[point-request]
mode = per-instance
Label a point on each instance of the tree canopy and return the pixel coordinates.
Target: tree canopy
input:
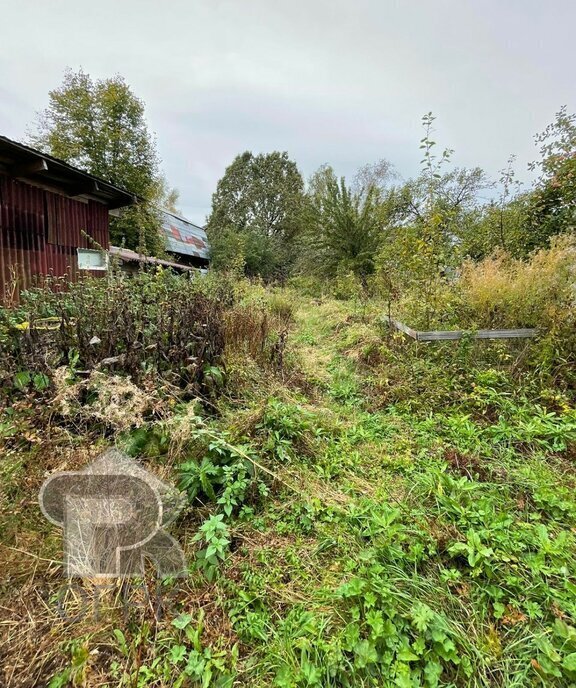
(258, 205)
(345, 225)
(100, 126)
(417, 230)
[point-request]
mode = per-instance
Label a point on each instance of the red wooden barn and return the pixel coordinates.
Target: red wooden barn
(47, 208)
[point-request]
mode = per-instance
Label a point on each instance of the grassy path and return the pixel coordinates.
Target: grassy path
(418, 530)
(427, 546)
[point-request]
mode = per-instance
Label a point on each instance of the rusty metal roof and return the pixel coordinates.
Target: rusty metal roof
(183, 237)
(21, 161)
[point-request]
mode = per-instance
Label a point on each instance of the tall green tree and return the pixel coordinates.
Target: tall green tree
(100, 126)
(258, 208)
(554, 200)
(346, 225)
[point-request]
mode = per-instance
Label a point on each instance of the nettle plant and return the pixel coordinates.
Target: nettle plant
(214, 534)
(226, 474)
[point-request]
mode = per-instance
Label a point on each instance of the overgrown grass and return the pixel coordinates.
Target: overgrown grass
(373, 512)
(503, 292)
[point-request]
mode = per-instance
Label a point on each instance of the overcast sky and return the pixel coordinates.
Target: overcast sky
(344, 82)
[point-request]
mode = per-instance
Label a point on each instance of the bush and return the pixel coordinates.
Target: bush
(249, 252)
(308, 285)
(282, 307)
(347, 286)
(435, 304)
(499, 292)
(157, 326)
(502, 292)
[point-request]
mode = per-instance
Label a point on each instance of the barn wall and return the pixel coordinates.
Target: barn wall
(40, 232)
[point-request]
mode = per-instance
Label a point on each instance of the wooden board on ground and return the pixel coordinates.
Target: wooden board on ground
(442, 335)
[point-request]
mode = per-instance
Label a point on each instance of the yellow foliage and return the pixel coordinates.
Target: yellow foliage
(503, 292)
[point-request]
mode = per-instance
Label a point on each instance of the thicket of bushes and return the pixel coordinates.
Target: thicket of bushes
(497, 292)
(266, 222)
(152, 327)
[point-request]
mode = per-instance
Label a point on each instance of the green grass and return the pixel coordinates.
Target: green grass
(388, 514)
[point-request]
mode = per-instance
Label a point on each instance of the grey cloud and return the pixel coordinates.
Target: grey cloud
(329, 81)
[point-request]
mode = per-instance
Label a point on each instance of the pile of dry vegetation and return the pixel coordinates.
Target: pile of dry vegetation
(113, 348)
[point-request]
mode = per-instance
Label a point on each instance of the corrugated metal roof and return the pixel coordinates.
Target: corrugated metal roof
(183, 237)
